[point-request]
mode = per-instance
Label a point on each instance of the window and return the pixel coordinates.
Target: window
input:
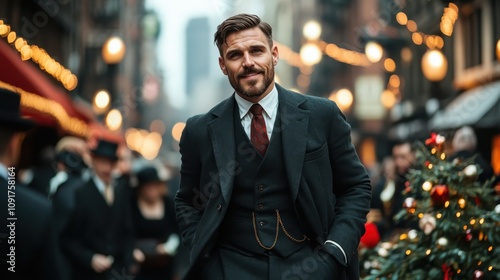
(472, 38)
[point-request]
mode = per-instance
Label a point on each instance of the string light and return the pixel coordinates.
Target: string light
(146, 143)
(389, 65)
(332, 50)
(427, 186)
(462, 203)
(32, 101)
(402, 18)
(403, 236)
(40, 57)
(450, 15)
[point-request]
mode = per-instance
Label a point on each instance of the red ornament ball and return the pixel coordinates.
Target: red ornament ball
(440, 194)
(468, 235)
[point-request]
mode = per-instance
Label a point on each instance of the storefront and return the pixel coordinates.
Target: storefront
(52, 107)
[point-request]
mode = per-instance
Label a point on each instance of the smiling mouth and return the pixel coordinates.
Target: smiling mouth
(249, 75)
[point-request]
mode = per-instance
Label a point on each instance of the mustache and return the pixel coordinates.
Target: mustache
(250, 71)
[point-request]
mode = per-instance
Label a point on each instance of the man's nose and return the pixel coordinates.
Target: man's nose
(247, 60)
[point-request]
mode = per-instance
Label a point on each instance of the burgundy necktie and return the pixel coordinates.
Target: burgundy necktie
(258, 132)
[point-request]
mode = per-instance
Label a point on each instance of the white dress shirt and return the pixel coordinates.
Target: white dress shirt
(99, 184)
(268, 103)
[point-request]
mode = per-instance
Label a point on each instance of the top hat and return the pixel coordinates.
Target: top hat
(10, 115)
(150, 174)
(105, 149)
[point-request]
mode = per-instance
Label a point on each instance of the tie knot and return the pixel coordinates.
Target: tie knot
(256, 109)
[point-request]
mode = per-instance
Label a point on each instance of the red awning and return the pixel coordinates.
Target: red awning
(53, 107)
(25, 75)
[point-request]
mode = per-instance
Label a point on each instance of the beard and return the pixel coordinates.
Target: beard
(255, 87)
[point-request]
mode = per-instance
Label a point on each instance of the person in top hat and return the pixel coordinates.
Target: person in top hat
(29, 248)
(156, 229)
(98, 239)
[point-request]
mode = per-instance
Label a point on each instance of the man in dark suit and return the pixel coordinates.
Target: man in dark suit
(98, 239)
(403, 154)
(29, 247)
(71, 160)
(71, 169)
(274, 190)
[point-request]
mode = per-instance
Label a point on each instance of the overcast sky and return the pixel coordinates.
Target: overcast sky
(174, 16)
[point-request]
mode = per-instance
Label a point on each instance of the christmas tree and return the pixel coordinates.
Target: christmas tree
(458, 234)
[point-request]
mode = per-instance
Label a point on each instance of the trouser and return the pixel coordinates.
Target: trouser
(307, 263)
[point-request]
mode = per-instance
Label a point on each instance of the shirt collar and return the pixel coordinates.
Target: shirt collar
(269, 103)
(98, 183)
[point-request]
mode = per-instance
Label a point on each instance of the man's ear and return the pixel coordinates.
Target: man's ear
(276, 54)
(222, 65)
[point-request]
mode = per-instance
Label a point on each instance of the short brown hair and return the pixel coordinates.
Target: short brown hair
(241, 22)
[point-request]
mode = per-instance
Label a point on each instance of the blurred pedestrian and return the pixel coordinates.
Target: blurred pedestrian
(37, 176)
(464, 146)
(122, 173)
(72, 165)
(381, 211)
(403, 154)
(156, 231)
(29, 247)
(269, 177)
(72, 160)
(98, 239)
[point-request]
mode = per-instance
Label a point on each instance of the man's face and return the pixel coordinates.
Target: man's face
(403, 157)
(103, 168)
(248, 61)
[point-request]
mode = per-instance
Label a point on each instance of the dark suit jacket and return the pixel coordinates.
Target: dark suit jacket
(329, 186)
(37, 251)
(63, 200)
(95, 227)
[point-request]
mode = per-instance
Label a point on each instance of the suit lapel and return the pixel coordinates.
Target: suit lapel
(221, 131)
(294, 123)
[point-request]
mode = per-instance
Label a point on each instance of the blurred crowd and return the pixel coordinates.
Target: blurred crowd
(113, 211)
(93, 210)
